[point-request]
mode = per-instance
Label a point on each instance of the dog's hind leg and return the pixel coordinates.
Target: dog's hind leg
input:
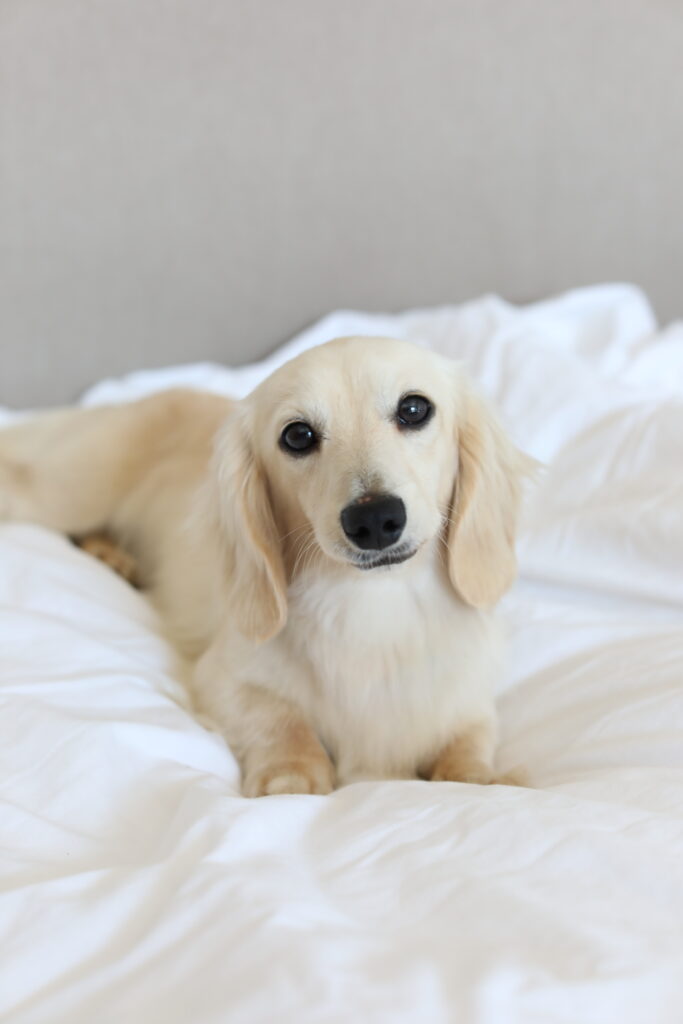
(102, 546)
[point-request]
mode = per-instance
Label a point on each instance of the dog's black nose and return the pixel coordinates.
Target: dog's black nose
(374, 523)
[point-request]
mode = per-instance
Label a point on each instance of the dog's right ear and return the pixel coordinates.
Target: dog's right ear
(248, 533)
(483, 515)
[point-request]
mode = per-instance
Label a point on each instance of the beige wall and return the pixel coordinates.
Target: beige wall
(192, 179)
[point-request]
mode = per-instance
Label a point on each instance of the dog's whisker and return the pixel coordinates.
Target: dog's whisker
(297, 529)
(300, 563)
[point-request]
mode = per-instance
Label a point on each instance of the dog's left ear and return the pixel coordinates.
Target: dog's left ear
(483, 515)
(248, 533)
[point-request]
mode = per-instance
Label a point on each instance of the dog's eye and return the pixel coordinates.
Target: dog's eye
(298, 438)
(414, 411)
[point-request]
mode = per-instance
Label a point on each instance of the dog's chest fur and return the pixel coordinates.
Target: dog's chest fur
(390, 666)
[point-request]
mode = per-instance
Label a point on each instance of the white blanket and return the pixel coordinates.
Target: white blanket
(136, 885)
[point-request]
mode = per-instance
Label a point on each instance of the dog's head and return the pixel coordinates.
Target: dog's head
(362, 453)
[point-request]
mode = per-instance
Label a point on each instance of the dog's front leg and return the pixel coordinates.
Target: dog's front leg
(468, 757)
(278, 751)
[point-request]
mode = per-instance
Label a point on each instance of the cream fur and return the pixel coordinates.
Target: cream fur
(317, 672)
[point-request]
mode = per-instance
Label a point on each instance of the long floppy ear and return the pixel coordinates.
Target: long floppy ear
(483, 519)
(249, 534)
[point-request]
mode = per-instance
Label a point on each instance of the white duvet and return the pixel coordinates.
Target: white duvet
(138, 886)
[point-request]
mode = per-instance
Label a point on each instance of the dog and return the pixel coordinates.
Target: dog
(326, 552)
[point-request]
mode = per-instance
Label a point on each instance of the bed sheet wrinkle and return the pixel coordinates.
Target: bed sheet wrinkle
(137, 885)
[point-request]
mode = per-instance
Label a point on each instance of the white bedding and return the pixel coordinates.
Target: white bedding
(136, 885)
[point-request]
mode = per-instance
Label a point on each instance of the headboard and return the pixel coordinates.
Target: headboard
(197, 180)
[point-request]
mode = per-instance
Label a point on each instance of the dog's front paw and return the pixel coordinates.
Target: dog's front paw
(458, 769)
(300, 775)
(450, 769)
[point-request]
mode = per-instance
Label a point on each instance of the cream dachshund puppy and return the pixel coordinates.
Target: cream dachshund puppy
(325, 551)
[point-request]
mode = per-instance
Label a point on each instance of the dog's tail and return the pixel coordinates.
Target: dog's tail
(73, 469)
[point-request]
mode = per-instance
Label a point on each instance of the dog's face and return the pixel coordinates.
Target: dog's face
(358, 436)
(363, 452)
